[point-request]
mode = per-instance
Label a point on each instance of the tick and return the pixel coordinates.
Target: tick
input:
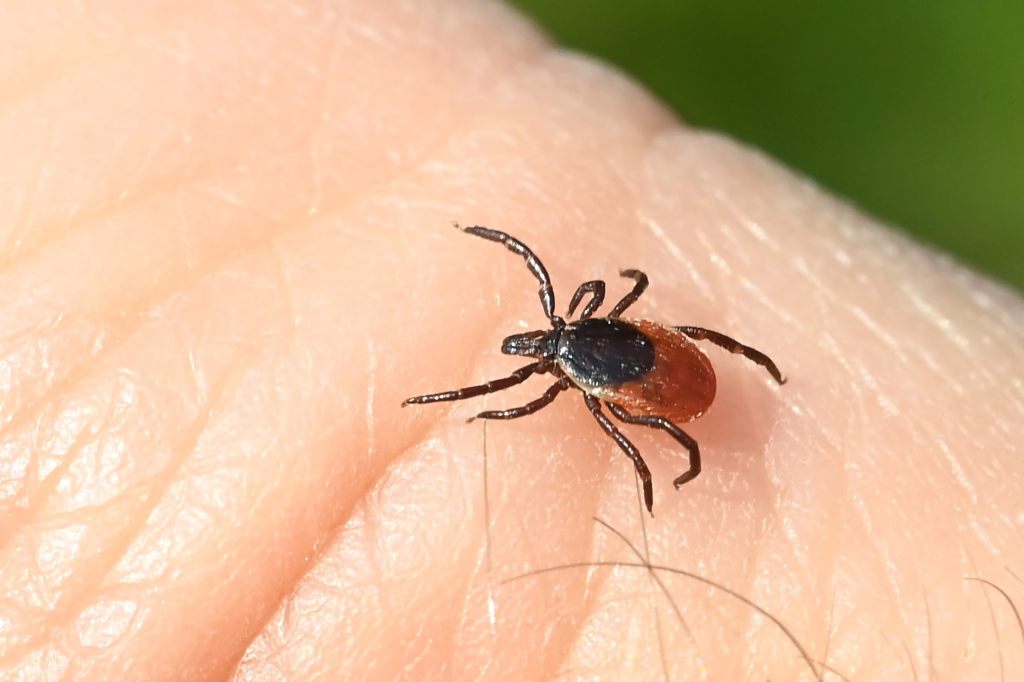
(644, 372)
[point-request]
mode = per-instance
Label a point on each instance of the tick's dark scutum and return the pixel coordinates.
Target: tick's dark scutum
(605, 351)
(681, 385)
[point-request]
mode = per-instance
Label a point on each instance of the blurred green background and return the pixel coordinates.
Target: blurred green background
(913, 110)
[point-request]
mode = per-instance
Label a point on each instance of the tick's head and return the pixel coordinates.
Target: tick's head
(540, 344)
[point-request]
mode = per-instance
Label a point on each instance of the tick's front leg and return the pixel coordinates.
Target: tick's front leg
(517, 377)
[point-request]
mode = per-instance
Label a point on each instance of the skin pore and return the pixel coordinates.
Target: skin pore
(226, 258)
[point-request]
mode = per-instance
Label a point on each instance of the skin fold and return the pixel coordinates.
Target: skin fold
(226, 257)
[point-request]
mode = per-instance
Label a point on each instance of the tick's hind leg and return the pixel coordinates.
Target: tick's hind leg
(530, 407)
(681, 437)
(641, 466)
(517, 377)
(734, 346)
(630, 298)
(595, 288)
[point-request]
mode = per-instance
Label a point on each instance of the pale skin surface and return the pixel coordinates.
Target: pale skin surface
(227, 257)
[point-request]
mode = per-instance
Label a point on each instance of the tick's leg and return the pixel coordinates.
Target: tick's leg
(595, 287)
(681, 437)
(630, 298)
(528, 408)
(517, 377)
(547, 293)
(641, 467)
(734, 346)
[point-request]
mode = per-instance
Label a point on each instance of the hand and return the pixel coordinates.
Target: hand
(227, 260)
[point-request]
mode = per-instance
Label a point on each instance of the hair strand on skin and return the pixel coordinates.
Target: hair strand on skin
(1009, 600)
(492, 616)
(654, 576)
(678, 571)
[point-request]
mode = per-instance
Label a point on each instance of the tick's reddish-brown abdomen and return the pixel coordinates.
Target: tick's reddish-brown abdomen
(680, 387)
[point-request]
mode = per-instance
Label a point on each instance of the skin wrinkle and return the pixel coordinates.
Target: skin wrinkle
(556, 656)
(143, 516)
(828, 630)
(73, 599)
(26, 508)
(704, 288)
(560, 657)
(103, 562)
(895, 594)
(281, 272)
(755, 627)
(447, 630)
(78, 446)
(833, 567)
(748, 584)
(98, 215)
(468, 605)
(24, 214)
(150, 299)
(479, 566)
(73, 378)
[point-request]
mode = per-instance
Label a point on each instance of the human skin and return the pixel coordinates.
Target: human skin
(227, 258)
